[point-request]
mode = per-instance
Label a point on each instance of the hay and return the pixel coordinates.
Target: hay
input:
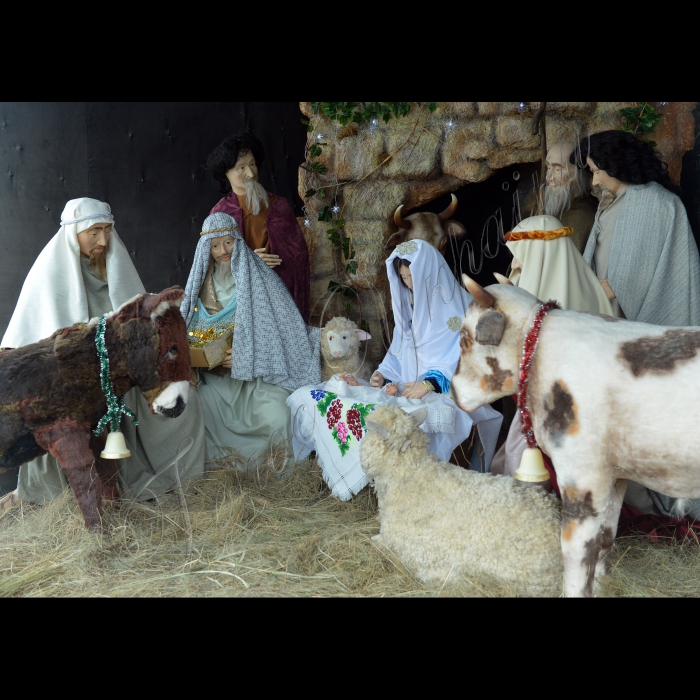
(251, 533)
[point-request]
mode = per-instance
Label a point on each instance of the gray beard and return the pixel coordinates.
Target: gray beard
(256, 196)
(557, 200)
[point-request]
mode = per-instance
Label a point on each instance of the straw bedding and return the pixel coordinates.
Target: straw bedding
(236, 533)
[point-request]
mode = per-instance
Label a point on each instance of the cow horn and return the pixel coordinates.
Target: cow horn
(482, 297)
(398, 220)
(451, 209)
(502, 279)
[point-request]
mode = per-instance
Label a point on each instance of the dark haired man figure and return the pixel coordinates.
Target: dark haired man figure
(642, 250)
(266, 220)
(641, 246)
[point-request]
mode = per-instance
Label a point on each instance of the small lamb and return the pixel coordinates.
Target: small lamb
(443, 521)
(340, 349)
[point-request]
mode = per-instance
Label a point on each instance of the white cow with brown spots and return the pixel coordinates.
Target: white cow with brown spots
(610, 400)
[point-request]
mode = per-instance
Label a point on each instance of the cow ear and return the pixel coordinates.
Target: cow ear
(362, 335)
(454, 229)
(156, 305)
(377, 428)
(395, 239)
(490, 327)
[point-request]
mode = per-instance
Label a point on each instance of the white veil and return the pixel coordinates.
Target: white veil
(426, 336)
(53, 295)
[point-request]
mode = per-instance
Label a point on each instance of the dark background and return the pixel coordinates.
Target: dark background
(146, 159)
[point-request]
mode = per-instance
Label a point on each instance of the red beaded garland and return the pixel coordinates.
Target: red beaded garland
(529, 346)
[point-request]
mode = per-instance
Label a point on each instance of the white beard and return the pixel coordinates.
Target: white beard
(256, 196)
(557, 200)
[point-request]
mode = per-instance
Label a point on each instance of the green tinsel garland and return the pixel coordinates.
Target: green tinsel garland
(115, 404)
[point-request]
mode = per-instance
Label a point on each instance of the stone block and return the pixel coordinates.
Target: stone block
(559, 129)
(422, 192)
(514, 132)
(469, 141)
(569, 108)
(458, 110)
(373, 200)
(491, 109)
(510, 156)
(416, 153)
(356, 156)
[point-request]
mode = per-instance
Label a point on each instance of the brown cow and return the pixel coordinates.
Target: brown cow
(436, 229)
(51, 397)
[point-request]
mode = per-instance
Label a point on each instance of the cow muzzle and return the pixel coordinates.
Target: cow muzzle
(171, 402)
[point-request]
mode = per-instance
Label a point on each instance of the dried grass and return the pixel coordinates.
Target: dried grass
(253, 534)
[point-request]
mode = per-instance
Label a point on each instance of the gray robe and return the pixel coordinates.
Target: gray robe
(150, 470)
(654, 266)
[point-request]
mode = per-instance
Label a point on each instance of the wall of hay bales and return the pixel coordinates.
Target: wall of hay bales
(414, 160)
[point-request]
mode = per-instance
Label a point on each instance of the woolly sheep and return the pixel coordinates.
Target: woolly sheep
(340, 349)
(443, 521)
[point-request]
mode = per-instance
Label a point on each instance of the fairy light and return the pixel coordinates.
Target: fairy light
(521, 107)
(449, 126)
(373, 125)
(335, 209)
(307, 222)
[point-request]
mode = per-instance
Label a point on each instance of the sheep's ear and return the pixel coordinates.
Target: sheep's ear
(362, 335)
(405, 445)
(419, 415)
(377, 428)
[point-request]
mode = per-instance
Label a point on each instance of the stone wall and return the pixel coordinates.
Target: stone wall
(416, 158)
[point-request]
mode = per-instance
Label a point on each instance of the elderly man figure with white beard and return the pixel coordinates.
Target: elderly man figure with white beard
(83, 272)
(266, 220)
(567, 193)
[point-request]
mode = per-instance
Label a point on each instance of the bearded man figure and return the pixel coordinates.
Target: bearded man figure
(84, 272)
(232, 293)
(567, 193)
(266, 221)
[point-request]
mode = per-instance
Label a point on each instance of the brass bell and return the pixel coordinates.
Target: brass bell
(532, 467)
(115, 447)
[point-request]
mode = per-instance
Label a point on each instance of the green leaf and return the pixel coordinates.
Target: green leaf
(432, 106)
(325, 214)
(305, 121)
(318, 167)
(351, 267)
(347, 291)
(315, 150)
(321, 192)
(310, 193)
(339, 223)
(315, 107)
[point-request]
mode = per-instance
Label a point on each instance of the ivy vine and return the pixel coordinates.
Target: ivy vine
(641, 119)
(345, 113)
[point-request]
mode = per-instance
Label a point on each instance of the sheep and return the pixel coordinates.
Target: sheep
(340, 348)
(443, 521)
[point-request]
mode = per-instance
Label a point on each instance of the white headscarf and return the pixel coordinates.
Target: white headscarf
(554, 269)
(426, 336)
(53, 295)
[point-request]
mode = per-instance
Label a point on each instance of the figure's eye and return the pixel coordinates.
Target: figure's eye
(464, 343)
(172, 353)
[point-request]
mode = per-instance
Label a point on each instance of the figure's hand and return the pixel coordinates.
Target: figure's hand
(227, 362)
(269, 259)
(608, 289)
(345, 377)
(415, 390)
(377, 380)
(391, 389)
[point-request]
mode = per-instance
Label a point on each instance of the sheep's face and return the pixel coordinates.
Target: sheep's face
(391, 431)
(339, 342)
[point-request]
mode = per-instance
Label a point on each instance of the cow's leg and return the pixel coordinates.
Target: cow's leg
(584, 533)
(612, 516)
(69, 442)
(107, 469)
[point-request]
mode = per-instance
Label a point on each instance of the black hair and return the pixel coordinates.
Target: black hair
(398, 262)
(227, 153)
(625, 157)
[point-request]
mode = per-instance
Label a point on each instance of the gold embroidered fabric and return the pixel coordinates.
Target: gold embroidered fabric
(539, 235)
